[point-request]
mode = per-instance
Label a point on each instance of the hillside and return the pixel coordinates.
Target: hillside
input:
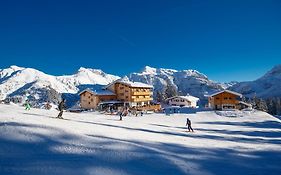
(185, 81)
(267, 86)
(18, 84)
(38, 87)
(34, 142)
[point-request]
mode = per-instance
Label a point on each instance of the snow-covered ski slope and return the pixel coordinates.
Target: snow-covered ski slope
(34, 142)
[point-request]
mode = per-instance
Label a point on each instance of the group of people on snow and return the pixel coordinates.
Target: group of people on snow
(61, 107)
(124, 112)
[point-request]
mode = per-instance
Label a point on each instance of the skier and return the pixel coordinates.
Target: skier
(188, 124)
(167, 111)
(27, 105)
(121, 114)
(61, 108)
(48, 106)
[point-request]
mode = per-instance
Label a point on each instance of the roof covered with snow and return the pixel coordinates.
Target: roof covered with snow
(187, 97)
(225, 90)
(136, 84)
(97, 91)
(126, 81)
(244, 103)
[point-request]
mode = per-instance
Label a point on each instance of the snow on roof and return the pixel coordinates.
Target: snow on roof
(244, 103)
(98, 92)
(188, 98)
(137, 84)
(228, 91)
(130, 83)
(111, 102)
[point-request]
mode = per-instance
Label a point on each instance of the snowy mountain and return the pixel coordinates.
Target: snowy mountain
(228, 84)
(185, 81)
(265, 87)
(19, 83)
(35, 85)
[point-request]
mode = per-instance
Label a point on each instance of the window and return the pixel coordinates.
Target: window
(89, 103)
(84, 94)
(217, 98)
(92, 100)
(121, 94)
(230, 98)
(127, 97)
(225, 98)
(182, 100)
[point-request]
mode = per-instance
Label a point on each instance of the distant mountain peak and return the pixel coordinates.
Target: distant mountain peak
(149, 70)
(267, 86)
(14, 67)
(83, 69)
(275, 71)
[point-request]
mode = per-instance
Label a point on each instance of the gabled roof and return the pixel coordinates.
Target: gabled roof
(137, 84)
(228, 91)
(188, 98)
(130, 83)
(244, 103)
(97, 92)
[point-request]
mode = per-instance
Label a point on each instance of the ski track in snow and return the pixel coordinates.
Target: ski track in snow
(35, 142)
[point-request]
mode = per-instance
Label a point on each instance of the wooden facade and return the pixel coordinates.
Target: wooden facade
(129, 93)
(132, 95)
(90, 100)
(224, 100)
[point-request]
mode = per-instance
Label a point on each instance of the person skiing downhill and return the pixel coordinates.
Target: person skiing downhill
(27, 105)
(61, 108)
(188, 124)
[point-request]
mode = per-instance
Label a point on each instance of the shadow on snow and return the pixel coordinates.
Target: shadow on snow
(105, 155)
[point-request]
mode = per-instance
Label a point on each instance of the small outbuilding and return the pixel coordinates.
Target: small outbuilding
(187, 101)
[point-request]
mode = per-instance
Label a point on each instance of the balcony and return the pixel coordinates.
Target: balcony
(142, 93)
(141, 99)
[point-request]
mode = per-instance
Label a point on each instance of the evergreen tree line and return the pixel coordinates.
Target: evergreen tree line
(168, 91)
(270, 105)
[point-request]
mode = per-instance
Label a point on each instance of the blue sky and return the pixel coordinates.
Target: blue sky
(226, 40)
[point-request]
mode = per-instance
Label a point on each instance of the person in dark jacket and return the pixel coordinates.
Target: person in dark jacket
(61, 108)
(188, 124)
(121, 114)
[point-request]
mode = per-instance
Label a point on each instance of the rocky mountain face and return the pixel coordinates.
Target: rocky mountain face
(268, 86)
(18, 84)
(185, 81)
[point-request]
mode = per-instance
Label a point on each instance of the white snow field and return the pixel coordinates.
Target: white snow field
(34, 143)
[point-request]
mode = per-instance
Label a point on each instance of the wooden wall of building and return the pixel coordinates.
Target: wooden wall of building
(91, 101)
(224, 98)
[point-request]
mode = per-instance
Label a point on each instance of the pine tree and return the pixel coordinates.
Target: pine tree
(171, 90)
(278, 106)
(159, 96)
(255, 102)
(261, 105)
(243, 99)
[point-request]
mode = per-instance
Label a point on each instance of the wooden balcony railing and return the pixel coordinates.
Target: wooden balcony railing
(141, 93)
(141, 99)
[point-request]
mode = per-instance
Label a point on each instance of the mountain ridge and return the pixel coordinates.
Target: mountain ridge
(16, 81)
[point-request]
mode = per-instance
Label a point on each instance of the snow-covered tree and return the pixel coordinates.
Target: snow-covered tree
(171, 90)
(160, 96)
